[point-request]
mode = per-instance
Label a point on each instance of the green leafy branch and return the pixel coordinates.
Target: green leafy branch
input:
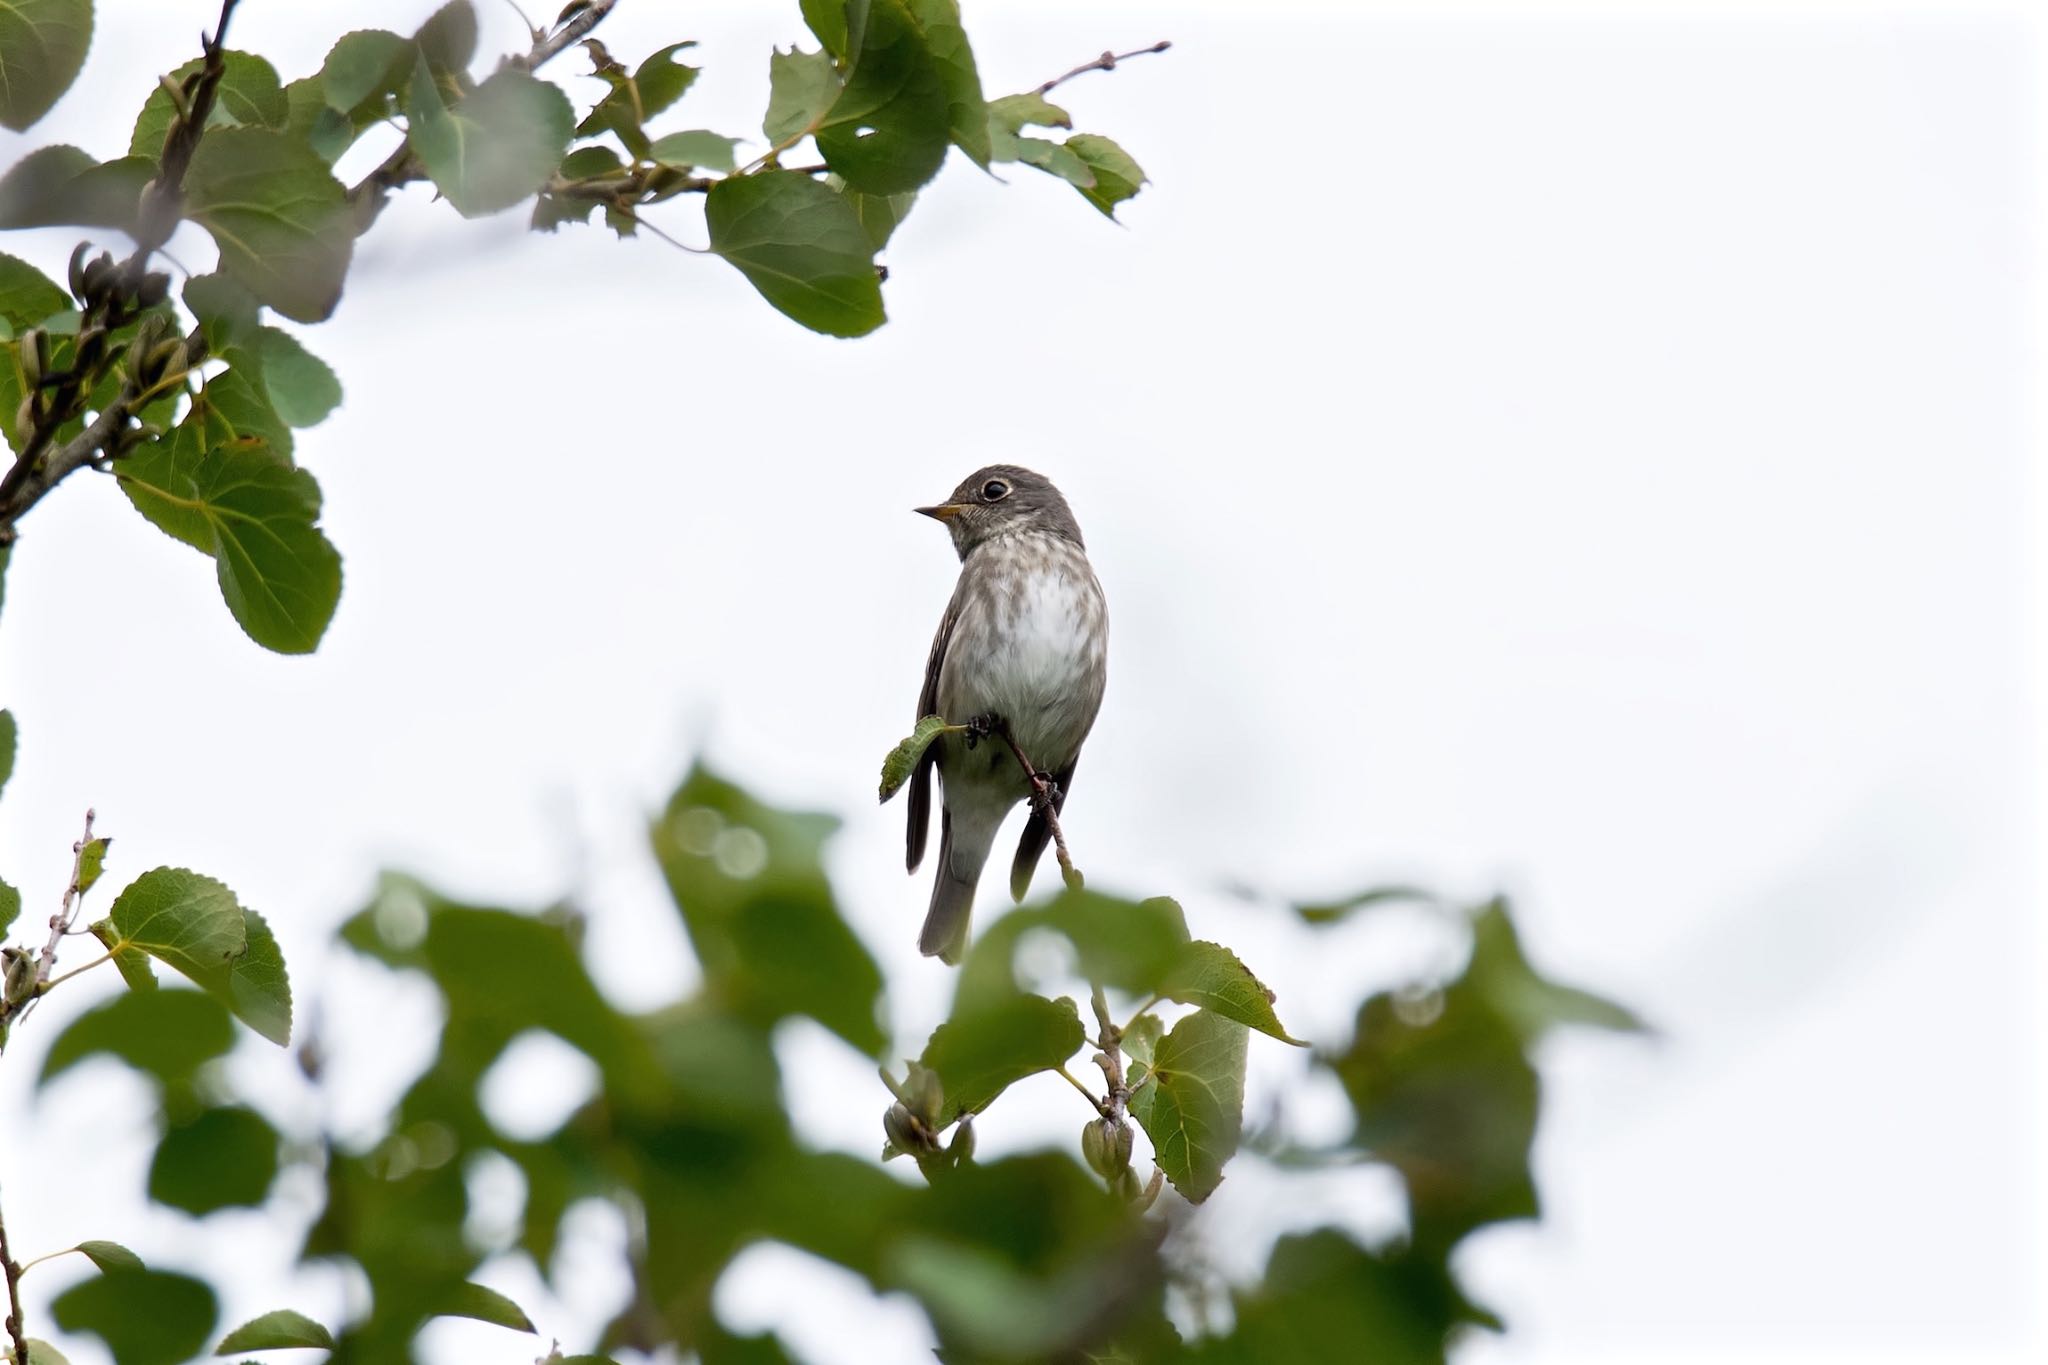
(902, 761)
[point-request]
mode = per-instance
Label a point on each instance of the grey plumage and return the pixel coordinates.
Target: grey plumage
(1024, 638)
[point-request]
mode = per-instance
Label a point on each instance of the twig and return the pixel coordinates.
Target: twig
(1106, 62)
(1086, 1093)
(16, 1333)
(1041, 802)
(60, 923)
(580, 19)
(1109, 1055)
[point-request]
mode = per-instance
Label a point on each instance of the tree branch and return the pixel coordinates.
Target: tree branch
(1041, 802)
(1106, 62)
(577, 20)
(16, 1332)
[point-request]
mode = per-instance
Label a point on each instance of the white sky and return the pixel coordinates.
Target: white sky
(1588, 453)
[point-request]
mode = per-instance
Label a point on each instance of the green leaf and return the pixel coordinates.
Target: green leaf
(1116, 176)
(110, 1255)
(366, 65)
(280, 218)
(879, 214)
(1324, 1297)
(658, 83)
(224, 1158)
(902, 760)
(225, 309)
(276, 1331)
(694, 149)
(1054, 159)
(182, 919)
(194, 924)
(1011, 114)
(309, 119)
(43, 1353)
(987, 1047)
(966, 113)
(27, 296)
(256, 515)
(146, 1317)
(760, 912)
(1190, 1101)
(801, 89)
(1530, 1001)
(827, 20)
(1211, 976)
(486, 1305)
(497, 145)
(61, 186)
(448, 39)
(42, 46)
(801, 246)
(1141, 1039)
(887, 132)
(92, 860)
(300, 386)
(249, 96)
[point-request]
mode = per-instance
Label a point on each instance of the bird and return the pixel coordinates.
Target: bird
(1024, 643)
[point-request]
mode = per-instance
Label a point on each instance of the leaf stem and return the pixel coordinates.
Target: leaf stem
(66, 976)
(1097, 1105)
(1137, 1014)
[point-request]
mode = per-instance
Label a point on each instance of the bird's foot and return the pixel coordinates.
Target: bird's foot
(982, 726)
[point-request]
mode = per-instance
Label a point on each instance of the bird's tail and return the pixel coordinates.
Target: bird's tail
(959, 872)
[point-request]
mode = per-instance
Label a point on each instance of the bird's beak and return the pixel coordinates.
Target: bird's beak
(945, 511)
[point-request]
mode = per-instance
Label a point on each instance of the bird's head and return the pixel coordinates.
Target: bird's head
(1000, 500)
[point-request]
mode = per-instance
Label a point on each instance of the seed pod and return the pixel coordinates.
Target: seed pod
(1151, 1192)
(76, 271)
(1126, 1187)
(92, 344)
(961, 1148)
(20, 976)
(928, 1092)
(170, 359)
(897, 1125)
(1120, 1147)
(33, 354)
(153, 289)
(25, 419)
(1098, 1145)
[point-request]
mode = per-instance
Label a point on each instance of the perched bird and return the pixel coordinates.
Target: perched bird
(1025, 641)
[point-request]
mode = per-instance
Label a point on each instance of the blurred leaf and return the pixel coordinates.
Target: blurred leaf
(694, 148)
(801, 89)
(224, 1158)
(365, 65)
(110, 1255)
(10, 899)
(309, 119)
(448, 39)
(486, 1305)
(1190, 1101)
(281, 220)
(168, 1034)
(43, 1353)
(1332, 912)
(1211, 976)
(276, 1331)
(1010, 115)
(27, 296)
(256, 515)
(249, 96)
(497, 145)
(982, 1051)
(1117, 177)
(42, 46)
(224, 308)
(300, 386)
(720, 1347)
(1324, 1297)
(61, 186)
(887, 132)
(827, 19)
(1499, 968)
(946, 40)
(801, 246)
(760, 913)
(902, 760)
(146, 1317)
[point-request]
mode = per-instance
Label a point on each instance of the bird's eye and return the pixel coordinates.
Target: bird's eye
(995, 490)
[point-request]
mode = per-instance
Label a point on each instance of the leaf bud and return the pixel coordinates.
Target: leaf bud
(961, 1148)
(1125, 1186)
(155, 287)
(902, 1129)
(927, 1092)
(76, 271)
(1099, 1146)
(33, 354)
(20, 975)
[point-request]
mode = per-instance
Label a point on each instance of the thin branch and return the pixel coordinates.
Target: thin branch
(576, 21)
(1106, 62)
(1042, 803)
(60, 925)
(101, 960)
(16, 1332)
(1086, 1093)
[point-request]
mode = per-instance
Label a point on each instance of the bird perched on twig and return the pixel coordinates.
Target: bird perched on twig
(1024, 645)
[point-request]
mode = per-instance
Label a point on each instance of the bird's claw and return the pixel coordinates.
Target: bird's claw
(981, 727)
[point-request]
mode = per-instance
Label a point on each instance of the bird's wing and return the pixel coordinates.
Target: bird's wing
(1037, 831)
(928, 705)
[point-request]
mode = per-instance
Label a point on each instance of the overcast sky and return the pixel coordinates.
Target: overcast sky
(1587, 454)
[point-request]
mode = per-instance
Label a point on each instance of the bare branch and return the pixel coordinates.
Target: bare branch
(577, 20)
(1042, 802)
(16, 1332)
(1106, 62)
